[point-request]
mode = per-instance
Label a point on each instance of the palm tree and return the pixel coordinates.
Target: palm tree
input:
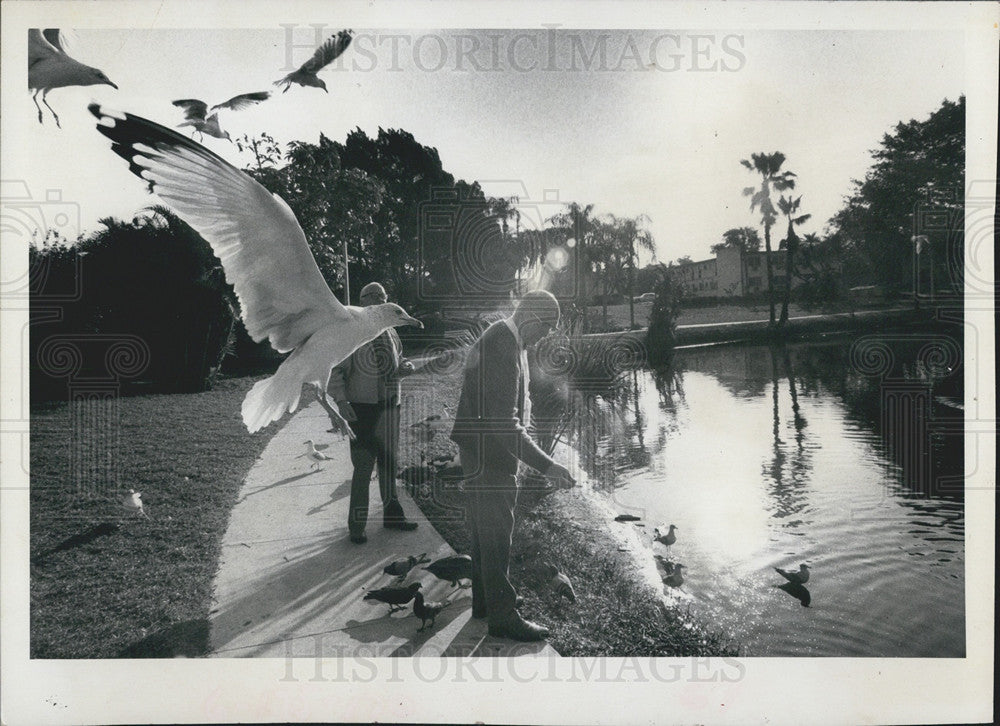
(629, 234)
(577, 222)
(789, 207)
(769, 168)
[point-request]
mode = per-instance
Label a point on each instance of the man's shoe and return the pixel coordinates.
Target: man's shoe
(359, 538)
(517, 628)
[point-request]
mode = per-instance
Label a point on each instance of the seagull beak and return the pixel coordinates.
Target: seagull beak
(414, 322)
(112, 85)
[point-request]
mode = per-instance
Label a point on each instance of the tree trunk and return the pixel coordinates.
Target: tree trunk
(789, 262)
(770, 274)
(631, 302)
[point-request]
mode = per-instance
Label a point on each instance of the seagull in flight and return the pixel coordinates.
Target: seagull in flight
(798, 578)
(50, 67)
(196, 113)
(324, 55)
(282, 294)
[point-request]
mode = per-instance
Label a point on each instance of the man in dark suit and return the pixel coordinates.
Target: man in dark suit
(491, 436)
(366, 389)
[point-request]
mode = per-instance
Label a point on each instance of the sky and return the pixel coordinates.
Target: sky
(654, 125)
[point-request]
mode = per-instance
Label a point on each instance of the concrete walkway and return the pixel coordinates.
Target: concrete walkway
(290, 583)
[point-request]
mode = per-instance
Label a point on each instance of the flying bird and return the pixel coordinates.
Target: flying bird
(395, 597)
(50, 67)
(314, 454)
(665, 539)
(559, 583)
(133, 502)
(799, 578)
(452, 569)
(197, 113)
(427, 610)
(401, 568)
(324, 55)
(282, 294)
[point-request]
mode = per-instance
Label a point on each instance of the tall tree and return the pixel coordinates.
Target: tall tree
(744, 239)
(630, 236)
(789, 207)
(768, 166)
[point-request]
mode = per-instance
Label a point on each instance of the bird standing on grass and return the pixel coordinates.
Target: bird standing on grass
(559, 583)
(266, 258)
(50, 67)
(196, 113)
(324, 55)
(314, 454)
(665, 539)
(427, 610)
(452, 569)
(799, 578)
(395, 597)
(401, 568)
(133, 502)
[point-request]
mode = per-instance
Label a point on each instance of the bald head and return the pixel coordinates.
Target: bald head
(536, 315)
(372, 294)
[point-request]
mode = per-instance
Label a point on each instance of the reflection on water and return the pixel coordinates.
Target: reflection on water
(845, 455)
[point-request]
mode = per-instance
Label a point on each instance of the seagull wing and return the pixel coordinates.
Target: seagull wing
(39, 48)
(194, 110)
(55, 38)
(237, 103)
(262, 248)
(334, 46)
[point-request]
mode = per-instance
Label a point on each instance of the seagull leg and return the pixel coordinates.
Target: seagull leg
(54, 114)
(34, 97)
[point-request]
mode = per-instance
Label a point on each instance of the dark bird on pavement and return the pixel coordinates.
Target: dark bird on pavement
(452, 569)
(427, 610)
(50, 67)
(559, 583)
(196, 113)
(395, 597)
(626, 518)
(401, 568)
(324, 55)
(799, 578)
(665, 539)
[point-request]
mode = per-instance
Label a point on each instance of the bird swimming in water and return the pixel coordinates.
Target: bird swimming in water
(676, 577)
(395, 597)
(427, 610)
(50, 67)
(400, 568)
(314, 454)
(799, 578)
(665, 539)
(196, 113)
(452, 569)
(334, 46)
(266, 258)
(559, 583)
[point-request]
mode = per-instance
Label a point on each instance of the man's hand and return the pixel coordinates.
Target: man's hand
(559, 476)
(405, 368)
(347, 411)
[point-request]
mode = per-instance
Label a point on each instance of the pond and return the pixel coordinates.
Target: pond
(845, 454)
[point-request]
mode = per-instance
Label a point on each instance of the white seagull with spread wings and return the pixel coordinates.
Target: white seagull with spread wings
(263, 250)
(50, 67)
(196, 113)
(334, 46)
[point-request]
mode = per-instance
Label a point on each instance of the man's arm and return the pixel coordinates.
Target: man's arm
(337, 387)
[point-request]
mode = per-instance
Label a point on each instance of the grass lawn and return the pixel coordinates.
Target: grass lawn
(615, 613)
(105, 582)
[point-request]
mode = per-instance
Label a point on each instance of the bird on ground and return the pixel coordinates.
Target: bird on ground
(676, 577)
(133, 502)
(627, 518)
(334, 46)
(196, 113)
(665, 539)
(444, 461)
(559, 583)
(452, 569)
(427, 610)
(314, 454)
(427, 428)
(665, 564)
(416, 475)
(401, 568)
(50, 67)
(799, 578)
(282, 294)
(395, 597)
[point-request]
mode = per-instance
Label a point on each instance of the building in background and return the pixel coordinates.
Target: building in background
(732, 273)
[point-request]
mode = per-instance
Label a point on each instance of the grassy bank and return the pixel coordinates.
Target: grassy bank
(616, 613)
(106, 583)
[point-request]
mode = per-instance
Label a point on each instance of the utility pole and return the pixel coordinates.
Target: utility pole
(347, 277)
